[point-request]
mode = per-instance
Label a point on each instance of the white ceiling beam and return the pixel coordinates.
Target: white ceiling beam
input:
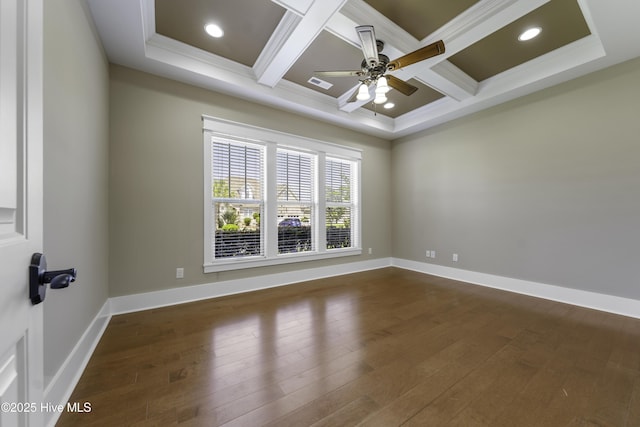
(449, 80)
(264, 65)
(344, 28)
(289, 42)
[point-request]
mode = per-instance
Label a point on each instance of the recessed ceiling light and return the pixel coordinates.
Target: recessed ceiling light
(529, 34)
(389, 105)
(214, 30)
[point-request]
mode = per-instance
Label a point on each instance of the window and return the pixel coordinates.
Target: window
(273, 198)
(340, 209)
(295, 202)
(238, 200)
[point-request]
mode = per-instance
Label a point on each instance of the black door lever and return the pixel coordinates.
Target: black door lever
(39, 277)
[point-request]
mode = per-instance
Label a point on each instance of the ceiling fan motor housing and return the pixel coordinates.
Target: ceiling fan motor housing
(376, 70)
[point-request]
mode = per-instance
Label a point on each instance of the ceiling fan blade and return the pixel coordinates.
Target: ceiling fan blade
(400, 85)
(368, 42)
(421, 54)
(338, 73)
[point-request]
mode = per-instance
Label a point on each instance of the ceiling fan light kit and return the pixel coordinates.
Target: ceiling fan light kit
(382, 85)
(380, 99)
(376, 66)
(363, 93)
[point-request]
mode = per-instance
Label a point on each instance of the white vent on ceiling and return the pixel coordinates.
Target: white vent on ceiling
(320, 83)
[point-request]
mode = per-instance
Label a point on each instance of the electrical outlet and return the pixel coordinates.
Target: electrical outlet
(428, 253)
(433, 254)
(370, 251)
(455, 257)
(179, 273)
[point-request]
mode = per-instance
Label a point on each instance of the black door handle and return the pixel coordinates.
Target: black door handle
(39, 277)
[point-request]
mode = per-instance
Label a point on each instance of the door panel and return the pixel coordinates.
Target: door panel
(9, 140)
(21, 134)
(13, 412)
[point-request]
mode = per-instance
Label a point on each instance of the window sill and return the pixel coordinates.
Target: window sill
(238, 264)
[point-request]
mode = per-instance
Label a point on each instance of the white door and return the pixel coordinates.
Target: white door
(21, 135)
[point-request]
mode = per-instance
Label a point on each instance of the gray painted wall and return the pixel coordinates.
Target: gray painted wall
(156, 179)
(76, 137)
(545, 188)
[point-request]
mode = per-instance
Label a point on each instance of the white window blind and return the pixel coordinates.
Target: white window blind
(340, 199)
(338, 181)
(237, 170)
(296, 176)
(237, 177)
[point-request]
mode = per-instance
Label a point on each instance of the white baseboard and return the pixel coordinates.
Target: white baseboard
(597, 301)
(149, 300)
(59, 389)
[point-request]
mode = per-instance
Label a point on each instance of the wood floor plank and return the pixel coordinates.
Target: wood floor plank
(385, 348)
(633, 414)
(350, 414)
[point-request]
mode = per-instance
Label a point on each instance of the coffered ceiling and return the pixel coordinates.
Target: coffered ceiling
(271, 48)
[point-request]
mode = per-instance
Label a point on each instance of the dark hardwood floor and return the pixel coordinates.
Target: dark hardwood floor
(380, 348)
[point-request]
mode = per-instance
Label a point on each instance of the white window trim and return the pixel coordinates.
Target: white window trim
(272, 140)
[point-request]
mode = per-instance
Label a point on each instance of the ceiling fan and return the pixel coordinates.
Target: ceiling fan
(375, 66)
